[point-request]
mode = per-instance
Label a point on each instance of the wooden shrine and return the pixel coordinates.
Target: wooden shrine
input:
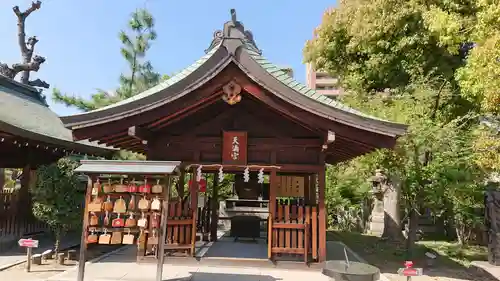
(30, 135)
(233, 110)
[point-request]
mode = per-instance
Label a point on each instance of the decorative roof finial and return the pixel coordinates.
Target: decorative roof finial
(233, 29)
(233, 15)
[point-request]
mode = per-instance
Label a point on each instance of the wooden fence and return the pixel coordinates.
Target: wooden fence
(16, 217)
(294, 231)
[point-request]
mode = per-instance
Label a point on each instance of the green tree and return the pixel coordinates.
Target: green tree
(414, 62)
(136, 42)
(390, 45)
(56, 199)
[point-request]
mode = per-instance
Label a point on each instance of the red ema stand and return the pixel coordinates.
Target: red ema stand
(410, 271)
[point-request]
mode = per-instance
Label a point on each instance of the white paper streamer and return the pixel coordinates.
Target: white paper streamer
(246, 175)
(221, 174)
(198, 173)
(261, 176)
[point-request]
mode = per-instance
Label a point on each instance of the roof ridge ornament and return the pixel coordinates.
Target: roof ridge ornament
(231, 93)
(233, 29)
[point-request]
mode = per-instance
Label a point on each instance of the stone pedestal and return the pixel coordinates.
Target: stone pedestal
(377, 218)
(354, 271)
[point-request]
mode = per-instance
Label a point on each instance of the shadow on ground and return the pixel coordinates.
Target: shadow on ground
(389, 256)
(208, 276)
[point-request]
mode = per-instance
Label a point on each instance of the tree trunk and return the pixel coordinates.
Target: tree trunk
(412, 233)
(57, 244)
(392, 216)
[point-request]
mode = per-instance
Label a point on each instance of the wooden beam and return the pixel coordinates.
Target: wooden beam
(252, 141)
(330, 138)
(186, 112)
(140, 133)
(108, 137)
(303, 116)
(151, 115)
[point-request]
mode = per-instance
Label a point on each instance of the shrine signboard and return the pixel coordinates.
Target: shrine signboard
(234, 148)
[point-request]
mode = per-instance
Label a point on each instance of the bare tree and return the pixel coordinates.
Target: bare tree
(29, 62)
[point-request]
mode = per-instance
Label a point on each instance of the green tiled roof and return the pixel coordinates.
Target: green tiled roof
(165, 84)
(271, 68)
(24, 108)
(286, 79)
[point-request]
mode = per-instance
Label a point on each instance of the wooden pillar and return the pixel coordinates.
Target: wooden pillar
(322, 214)
(181, 183)
(214, 220)
(24, 205)
(85, 225)
(2, 178)
(273, 181)
(194, 207)
(312, 189)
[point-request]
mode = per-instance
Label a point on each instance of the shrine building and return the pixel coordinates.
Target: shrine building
(234, 112)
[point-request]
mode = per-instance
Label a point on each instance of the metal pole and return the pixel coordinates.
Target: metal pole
(29, 252)
(163, 230)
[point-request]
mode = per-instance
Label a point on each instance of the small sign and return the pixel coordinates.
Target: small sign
(410, 271)
(234, 148)
(28, 243)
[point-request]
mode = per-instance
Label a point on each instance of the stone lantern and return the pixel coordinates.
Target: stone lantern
(379, 183)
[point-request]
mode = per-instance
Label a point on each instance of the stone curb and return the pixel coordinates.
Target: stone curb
(382, 276)
(94, 260)
(7, 266)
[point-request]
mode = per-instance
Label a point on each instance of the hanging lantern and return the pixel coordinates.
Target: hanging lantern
(261, 176)
(221, 174)
(198, 173)
(246, 175)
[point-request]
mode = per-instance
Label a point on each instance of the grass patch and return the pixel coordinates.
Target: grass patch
(385, 254)
(463, 255)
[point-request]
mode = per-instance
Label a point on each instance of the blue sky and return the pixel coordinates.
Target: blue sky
(80, 38)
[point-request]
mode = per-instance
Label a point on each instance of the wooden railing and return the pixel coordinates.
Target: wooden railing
(294, 230)
(181, 227)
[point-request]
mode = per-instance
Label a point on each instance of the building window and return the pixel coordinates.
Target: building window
(325, 87)
(322, 75)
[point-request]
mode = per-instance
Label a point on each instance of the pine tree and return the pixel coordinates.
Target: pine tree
(136, 42)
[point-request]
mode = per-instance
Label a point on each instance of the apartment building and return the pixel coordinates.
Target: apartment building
(322, 82)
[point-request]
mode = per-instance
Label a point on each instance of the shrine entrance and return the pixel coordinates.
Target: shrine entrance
(237, 205)
(231, 111)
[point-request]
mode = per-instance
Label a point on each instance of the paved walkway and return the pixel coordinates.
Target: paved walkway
(122, 266)
(17, 255)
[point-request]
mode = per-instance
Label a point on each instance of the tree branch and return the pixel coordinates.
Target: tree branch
(31, 66)
(31, 43)
(27, 47)
(39, 83)
(21, 19)
(6, 71)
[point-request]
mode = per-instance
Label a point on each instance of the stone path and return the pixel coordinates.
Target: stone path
(122, 266)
